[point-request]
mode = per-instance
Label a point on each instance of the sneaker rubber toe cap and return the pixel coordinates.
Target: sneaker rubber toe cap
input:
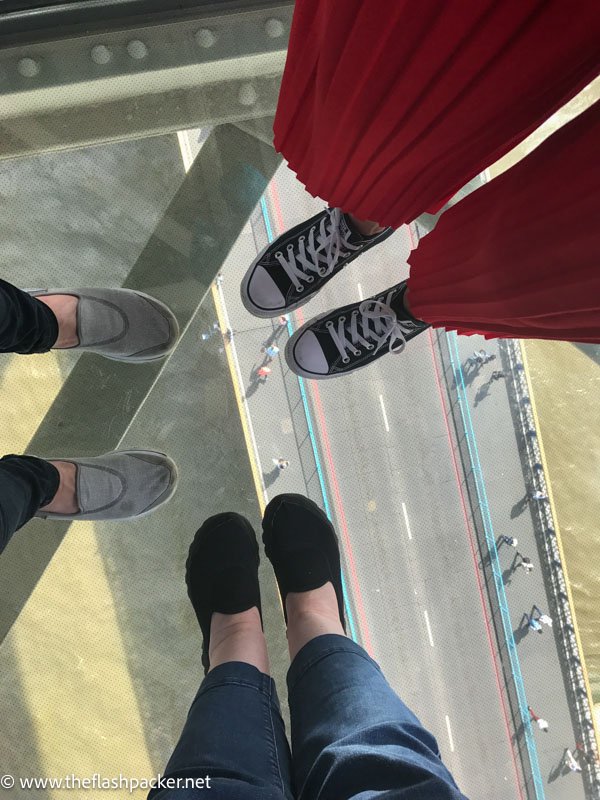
(262, 293)
(308, 354)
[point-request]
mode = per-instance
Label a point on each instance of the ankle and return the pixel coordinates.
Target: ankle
(364, 226)
(65, 499)
(64, 308)
(311, 614)
(238, 637)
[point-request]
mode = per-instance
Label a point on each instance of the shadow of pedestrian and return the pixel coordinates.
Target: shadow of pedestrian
(482, 392)
(560, 769)
(252, 387)
(470, 372)
(518, 508)
(275, 334)
(507, 575)
(270, 477)
(521, 632)
(254, 382)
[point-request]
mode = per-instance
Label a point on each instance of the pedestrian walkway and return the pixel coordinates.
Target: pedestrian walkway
(510, 512)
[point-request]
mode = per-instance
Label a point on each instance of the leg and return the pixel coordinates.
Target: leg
(518, 258)
(351, 735)
(234, 733)
(26, 484)
(27, 325)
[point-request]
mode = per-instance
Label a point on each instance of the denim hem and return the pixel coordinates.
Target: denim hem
(242, 674)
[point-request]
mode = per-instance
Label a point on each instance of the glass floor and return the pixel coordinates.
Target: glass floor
(141, 156)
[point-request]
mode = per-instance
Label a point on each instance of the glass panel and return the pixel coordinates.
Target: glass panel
(142, 158)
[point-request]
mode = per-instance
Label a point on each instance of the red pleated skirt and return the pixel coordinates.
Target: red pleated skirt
(388, 107)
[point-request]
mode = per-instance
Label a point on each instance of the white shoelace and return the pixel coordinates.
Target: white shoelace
(386, 327)
(319, 253)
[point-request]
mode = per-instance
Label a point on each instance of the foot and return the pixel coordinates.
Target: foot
(119, 485)
(301, 544)
(222, 575)
(297, 265)
(120, 324)
(348, 338)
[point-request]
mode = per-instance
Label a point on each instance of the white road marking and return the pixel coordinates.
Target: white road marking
(428, 627)
(450, 733)
(360, 291)
(385, 419)
(408, 530)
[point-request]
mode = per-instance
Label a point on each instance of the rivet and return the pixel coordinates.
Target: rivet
(274, 28)
(205, 37)
(247, 94)
(28, 67)
(101, 54)
(137, 49)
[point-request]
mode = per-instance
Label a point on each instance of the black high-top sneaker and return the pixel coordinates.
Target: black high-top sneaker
(297, 265)
(348, 338)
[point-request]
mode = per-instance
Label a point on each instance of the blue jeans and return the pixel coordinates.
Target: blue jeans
(352, 736)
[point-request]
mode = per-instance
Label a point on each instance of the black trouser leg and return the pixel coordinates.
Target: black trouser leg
(26, 324)
(26, 484)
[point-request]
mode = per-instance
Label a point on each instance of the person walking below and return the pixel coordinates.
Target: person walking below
(281, 463)
(270, 352)
(525, 563)
(540, 721)
(537, 495)
(544, 619)
(511, 541)
(497, 375)
(388, 108)
(571, 762)
(533, 623)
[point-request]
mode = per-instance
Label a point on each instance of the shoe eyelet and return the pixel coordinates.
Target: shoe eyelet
(301, 238)
(355, 313)
(298, 289)
(329, 324)
(290, 247)
(342, 319)
(358, 352)
(279, 253)
(322, 272)
(370, 346)
(309, 279)
(345, 360)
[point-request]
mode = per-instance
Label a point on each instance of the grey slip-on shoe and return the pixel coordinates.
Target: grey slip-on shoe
(121, 324)
(120, 485)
